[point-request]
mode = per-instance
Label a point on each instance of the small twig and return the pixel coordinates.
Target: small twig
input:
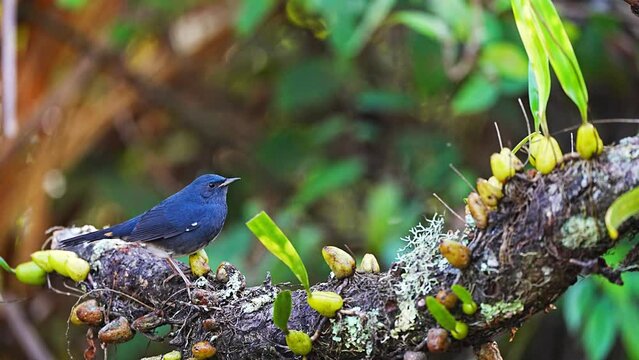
(472, 188)
(523, 110)
(449, 208)
(501, 145)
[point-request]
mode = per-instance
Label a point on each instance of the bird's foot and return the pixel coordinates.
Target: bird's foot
(177, 271)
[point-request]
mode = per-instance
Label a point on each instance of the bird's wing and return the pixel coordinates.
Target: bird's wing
(158, 223)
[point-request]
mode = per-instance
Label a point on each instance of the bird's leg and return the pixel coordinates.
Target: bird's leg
(177, 270)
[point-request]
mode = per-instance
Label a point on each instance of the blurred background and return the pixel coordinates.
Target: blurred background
(341, 118)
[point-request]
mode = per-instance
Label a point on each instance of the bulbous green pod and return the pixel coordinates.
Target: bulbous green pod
(469, 308)
(589, 143)
(545, 153)
(30, 273)
(341, 263)
(77, 268)
(489, 193)
(369, 264)
(58, 260)
(42, 259)
(199, 263)
(173, 355)
(505, 164)
(461, 330)
(327, 303)
(299, 342)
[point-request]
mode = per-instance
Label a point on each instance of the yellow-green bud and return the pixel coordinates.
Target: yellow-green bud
(58, 260)
(341, 263)
(327, 303)
(30, 273)
(369, 264)
(461, 330)
(489, 193)
(478, 210)
(545, 153)
(299, 342)
(203, 350)
(173, 355)
(589, 143)
(199, 263)
(42, 259)
(77, 268)
(469, 308)
(505, 164)
(457, 254)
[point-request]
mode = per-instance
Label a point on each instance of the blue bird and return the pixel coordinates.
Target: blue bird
(182, 224)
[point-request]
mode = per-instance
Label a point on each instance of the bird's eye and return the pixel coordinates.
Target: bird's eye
(211, 184)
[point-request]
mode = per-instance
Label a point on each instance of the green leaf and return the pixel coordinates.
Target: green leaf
(622, 209)
(600, 330)
(463, 294)
(560, 52)
(505, 59)
(537, 58)
(629, 322)
(5, 266)
(282, 310)
(424, 24)
(577, 302)
(534, 97)
(440, 313)
(273, 239)
(251, 13)
(376, 12)
(323, 180)
(476, 95)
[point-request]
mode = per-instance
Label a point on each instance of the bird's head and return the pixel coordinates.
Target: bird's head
(212, 186)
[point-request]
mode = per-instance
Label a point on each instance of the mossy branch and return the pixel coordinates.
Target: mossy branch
(545, 232)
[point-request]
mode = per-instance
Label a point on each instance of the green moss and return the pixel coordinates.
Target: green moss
(580, 232)
(501, 309)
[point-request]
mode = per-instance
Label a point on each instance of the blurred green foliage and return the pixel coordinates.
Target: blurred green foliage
(342, 118)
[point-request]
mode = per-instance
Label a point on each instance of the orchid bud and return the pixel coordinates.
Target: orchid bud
(589, 143)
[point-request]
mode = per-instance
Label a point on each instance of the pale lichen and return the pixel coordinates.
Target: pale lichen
(580, 232)
(233, 286)
(356, 332)
(420, 259)
(258, 302)
(501, 309)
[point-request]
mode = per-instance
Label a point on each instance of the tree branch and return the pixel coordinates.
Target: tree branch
(545, 232)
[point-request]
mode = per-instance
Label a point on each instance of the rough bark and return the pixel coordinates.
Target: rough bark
(545, 232)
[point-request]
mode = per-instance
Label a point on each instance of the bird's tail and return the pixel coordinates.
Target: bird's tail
(86, 238)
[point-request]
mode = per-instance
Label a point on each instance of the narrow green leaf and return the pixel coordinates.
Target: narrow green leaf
(376, 12)
(577, 301)
(462, 293)
(537, 59)
(423, 24)
(440, 313)
(533, 97)
(5, 266)
(560, 52)
(282, 310)
(272, 237)
(622, 209)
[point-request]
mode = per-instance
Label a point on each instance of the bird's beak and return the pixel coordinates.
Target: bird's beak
(229, 181)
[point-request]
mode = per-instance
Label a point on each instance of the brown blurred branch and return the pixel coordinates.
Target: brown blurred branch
(155, 92)
(24, 332)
